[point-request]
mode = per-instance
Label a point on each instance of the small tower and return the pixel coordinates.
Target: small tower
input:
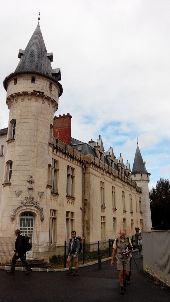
(33, 90)
(141, 176)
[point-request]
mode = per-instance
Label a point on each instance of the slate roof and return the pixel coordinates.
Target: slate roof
(139, 165)
(83, 147)
(35, 59)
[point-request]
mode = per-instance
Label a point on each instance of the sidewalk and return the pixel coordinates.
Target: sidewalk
(93, 285)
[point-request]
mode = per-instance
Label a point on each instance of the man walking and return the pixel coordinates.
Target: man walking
(73, 252)
(121, 255)
(19, 253)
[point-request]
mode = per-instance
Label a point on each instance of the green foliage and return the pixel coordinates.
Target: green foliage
(160, 205)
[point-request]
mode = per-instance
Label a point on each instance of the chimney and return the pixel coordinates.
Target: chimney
(62, 128)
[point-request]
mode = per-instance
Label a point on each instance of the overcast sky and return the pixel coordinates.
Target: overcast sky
(114, 57)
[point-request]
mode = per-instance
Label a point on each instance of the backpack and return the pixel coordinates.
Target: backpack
(81, 244)
(27, 246)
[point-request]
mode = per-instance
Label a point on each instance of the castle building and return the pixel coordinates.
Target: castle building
(51, 183)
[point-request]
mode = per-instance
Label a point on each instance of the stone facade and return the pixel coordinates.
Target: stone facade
(51, 183)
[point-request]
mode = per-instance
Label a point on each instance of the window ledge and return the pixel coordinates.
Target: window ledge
(70, 197)
(10, 140)
(7, 183)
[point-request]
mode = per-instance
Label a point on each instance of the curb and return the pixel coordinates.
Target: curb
(48, 270)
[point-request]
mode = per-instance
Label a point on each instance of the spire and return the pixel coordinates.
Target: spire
(139, 164)
(35, 59)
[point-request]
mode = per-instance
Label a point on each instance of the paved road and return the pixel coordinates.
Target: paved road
(92, 285)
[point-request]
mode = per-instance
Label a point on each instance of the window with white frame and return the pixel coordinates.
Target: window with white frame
(8, 171)
(113, 198)
(53, 227)
(123, 202)
(70, 181)
(103, 227)
(1, 150)
(55, 172)
(102, 194)
(12, 129)
(69, 223)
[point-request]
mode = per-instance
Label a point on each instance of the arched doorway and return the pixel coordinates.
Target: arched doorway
(27, 224)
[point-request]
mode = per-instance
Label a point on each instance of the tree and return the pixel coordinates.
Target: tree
(160, 205)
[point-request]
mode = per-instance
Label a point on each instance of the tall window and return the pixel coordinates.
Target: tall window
(53, 227)
(103, 227)
(141, 224)
(131, 203)
(124, 224)
(27, 224)
(140, 205)
(55, 172)
(69, 224)
(113, 198)
(132, 227)
(102, 194)
(8, 171)
(70, 181)
(123, 202)
(49, 181)
(12, 129)
(1, 150)
(114, 227)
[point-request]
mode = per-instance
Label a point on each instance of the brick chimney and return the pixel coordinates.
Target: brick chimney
(62, 128)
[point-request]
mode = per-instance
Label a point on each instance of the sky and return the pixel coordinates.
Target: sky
(114, 57)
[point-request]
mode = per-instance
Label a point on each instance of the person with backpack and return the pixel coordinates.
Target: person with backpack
(73, 253)
(121, 254)
(22, 245)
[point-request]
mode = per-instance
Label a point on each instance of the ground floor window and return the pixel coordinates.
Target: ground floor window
(53, 227)
(27, 224)
(69, 224)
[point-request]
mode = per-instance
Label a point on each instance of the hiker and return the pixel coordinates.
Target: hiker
(19, 252)
(121, 254)
(73, 253)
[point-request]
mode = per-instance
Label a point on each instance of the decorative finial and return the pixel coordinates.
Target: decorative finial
(38, 17)
(137, 141)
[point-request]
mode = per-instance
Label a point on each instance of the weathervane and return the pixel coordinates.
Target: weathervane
(38, 17)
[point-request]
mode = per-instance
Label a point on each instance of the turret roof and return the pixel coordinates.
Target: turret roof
(35, 59)
(139, 164)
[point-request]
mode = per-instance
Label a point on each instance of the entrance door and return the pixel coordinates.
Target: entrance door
(27, 224)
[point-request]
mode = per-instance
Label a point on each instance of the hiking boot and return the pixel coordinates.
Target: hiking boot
(122, 291)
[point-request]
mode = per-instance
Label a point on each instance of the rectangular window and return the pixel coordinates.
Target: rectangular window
(124, 224)
(131, 203)
(102, 194)
(55, 172)
(132, 227)
(113, 198)
(140, 205)
(70, 181)
(12, 129)
(8, 171)
(69, 224)
(114, 227)
(53, 227)
(103, 227)
(49, 181)
(2, 150)
(123, 202)
(141, 224)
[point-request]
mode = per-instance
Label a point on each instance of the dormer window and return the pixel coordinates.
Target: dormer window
(15, 81)
(33, 80)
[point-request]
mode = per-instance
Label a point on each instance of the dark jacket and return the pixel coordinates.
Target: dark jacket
(74, 246)
(19, 245)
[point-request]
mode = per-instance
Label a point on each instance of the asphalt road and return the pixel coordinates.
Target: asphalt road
(92, 285)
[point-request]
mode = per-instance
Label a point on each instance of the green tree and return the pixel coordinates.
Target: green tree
(160, 205)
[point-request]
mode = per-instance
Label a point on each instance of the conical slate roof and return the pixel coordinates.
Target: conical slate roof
(35, 59)
(139, 165)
